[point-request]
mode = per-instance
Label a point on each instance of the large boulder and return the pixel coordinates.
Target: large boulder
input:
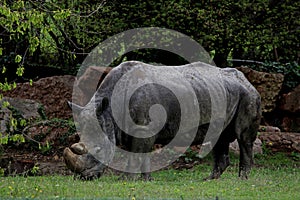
(5, 115)
(267, 84)
(291, 101)
(281, 141)
(53, 92)
(86, 84)
(257, 147)
(27, 108)
(290, 109)
(20, 109)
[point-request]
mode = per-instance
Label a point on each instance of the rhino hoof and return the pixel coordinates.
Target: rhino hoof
(214, 175)
(243, 175)
(93, 173)
(79, 148)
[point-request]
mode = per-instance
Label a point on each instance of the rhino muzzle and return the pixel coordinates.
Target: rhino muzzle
(82, 163)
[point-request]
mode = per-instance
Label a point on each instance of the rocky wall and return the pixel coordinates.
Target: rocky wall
(53, 92)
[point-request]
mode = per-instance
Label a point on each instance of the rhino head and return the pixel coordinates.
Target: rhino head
(92, 154)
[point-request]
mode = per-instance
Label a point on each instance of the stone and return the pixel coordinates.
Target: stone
(27, 108)
(290, 110)
(268, 129)
(291, 123)
(5, 114)
(52, 92)
(267, 84)
(24, 108)
(296, 146)
(86, 85)
(291, 101)
(281, 141)
(257, 147)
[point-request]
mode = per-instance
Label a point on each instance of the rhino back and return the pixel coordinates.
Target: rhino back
(203, 79)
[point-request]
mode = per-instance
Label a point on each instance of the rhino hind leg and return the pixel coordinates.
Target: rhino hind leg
(246, 142)
(246, 128)
(221, 159)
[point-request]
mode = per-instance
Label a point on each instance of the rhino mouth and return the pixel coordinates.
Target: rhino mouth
(82, 163)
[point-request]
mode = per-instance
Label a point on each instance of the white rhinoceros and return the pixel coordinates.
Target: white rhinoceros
(138, 105)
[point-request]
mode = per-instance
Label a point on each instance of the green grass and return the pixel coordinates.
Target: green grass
(274, 177)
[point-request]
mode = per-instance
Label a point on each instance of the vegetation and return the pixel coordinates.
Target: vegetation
(61, 33)
(14, 123)
(274, 178)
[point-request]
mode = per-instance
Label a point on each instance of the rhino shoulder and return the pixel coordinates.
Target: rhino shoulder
(238, 77)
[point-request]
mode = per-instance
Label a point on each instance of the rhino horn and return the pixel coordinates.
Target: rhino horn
(75, 108)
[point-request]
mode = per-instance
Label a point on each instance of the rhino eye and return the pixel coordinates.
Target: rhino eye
(97, 149)
(109, 125)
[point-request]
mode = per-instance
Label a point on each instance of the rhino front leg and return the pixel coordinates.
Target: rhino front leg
(139, 162)
(146, 175)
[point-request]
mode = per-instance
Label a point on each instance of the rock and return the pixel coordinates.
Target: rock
(53, 92)
(24, 108)
(281, 141)
(290, 110)
(267, 84)
(291, 101)
(27, 108)
(296, 146)
(86, 85)
(257, 147)
(291, 123)
(268, 129)
(5, 114)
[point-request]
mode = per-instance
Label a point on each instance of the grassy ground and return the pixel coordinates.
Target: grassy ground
(274, 177)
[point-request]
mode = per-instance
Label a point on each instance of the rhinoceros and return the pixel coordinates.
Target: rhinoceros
(236, 106)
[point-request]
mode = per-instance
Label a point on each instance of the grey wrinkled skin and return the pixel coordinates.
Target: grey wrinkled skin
(242, 120)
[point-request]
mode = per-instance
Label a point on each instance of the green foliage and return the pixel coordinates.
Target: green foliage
(39, 141)
(35, 170)
(1, 172)
(190, 155)
(61, 33)
(4, 139)
(295, 156)
(45, 149)
(15, 123)
(41, 111)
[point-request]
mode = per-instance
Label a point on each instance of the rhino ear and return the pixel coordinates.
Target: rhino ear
(103, 105)
(74, 107)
